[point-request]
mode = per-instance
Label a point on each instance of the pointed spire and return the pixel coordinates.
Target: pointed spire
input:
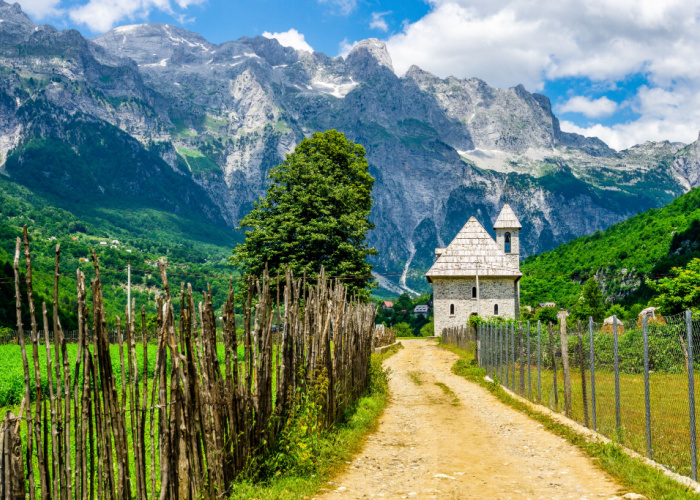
(507, 219)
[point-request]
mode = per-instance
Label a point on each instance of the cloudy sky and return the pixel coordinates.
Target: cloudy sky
(626, 71)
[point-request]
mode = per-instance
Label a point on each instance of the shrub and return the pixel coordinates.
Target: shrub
(403, 330)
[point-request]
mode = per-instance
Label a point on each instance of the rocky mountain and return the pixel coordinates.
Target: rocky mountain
(217, 118)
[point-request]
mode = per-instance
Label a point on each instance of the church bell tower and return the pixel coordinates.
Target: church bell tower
(507, 229)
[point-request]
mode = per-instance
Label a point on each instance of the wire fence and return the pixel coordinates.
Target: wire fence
(633, 382)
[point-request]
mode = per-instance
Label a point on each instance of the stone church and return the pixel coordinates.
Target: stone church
(476, 275)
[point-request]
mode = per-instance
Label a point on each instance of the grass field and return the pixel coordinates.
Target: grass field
(670, 417)
(12, 371)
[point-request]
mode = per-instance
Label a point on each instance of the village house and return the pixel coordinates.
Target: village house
(387, 304)
(421, 310)
(477, 276)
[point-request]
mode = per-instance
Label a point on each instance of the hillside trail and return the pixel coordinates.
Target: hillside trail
(433, 444)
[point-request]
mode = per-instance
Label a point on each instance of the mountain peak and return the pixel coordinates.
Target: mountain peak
(375, 48)
(15, 23)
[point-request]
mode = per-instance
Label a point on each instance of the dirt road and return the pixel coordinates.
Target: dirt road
(444, 437)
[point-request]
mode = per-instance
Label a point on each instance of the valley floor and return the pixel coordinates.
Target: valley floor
(444, 437)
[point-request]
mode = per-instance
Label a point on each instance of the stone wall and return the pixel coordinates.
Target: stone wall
(514, 255)
(458, 292)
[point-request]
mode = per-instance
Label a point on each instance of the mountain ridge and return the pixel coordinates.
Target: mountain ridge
(222, 115)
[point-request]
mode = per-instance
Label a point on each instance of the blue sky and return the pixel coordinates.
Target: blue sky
(622, 70)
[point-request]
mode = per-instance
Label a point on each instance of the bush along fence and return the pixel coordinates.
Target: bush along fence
(208, 412)
(634, 382)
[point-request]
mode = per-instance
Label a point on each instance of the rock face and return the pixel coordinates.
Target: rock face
(221, 116)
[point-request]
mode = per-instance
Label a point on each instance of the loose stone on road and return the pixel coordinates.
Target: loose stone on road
(444, 437)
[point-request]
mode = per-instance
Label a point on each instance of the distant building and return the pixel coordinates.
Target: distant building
(547, 304)
(387, 304)
(115, 242)
(103, 243)
(477, 276)
(421, 310)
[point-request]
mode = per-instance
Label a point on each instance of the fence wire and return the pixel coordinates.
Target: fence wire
(634, 382)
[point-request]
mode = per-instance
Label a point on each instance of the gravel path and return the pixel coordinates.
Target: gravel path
(456, 440)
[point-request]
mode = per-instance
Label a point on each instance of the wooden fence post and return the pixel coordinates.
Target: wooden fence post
(12, 484)
(565, 365)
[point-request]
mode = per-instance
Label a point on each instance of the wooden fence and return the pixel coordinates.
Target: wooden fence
(198, 423)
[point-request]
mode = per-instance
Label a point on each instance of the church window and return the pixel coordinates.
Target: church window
(452, 309)
(507, 243)
(495, 310)
(473, 292)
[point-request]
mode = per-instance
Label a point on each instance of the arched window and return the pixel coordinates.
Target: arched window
(507, 243)
(452, 309)
(473, 292)
(495, 310)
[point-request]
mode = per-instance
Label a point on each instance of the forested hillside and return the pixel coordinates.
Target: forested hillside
(646, 245)
(196, 252)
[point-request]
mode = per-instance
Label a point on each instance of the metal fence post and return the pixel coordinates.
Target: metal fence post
(500, 355)
(539, 361)
(488, 352)
(529, 364)
(478, 351)
(522, 359)
(647, 405)
(593, 408)
(507, 359)
(512, 334)
(691, 395)
(492, 348)
(618, 425)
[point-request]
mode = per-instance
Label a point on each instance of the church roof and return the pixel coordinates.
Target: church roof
(507, 219)
(472, 247)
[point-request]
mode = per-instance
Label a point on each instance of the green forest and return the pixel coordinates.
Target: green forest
(195, 252)
(625, 259)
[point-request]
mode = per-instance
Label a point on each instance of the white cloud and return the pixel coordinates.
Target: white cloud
(291, 38)
(593, 108)
(41, 9)
(664, 115)
(343, 7)
(102, 15)
(378, 22)
(507, 42)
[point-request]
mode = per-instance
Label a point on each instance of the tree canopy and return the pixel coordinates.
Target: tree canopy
(315, 213)
(591, 303)
(680, 291)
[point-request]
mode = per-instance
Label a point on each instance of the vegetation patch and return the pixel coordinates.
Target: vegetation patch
(454, 400)
(198, 162)
(332, 449)
(415, 377)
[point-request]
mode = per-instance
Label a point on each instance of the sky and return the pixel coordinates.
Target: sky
(626, 71)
